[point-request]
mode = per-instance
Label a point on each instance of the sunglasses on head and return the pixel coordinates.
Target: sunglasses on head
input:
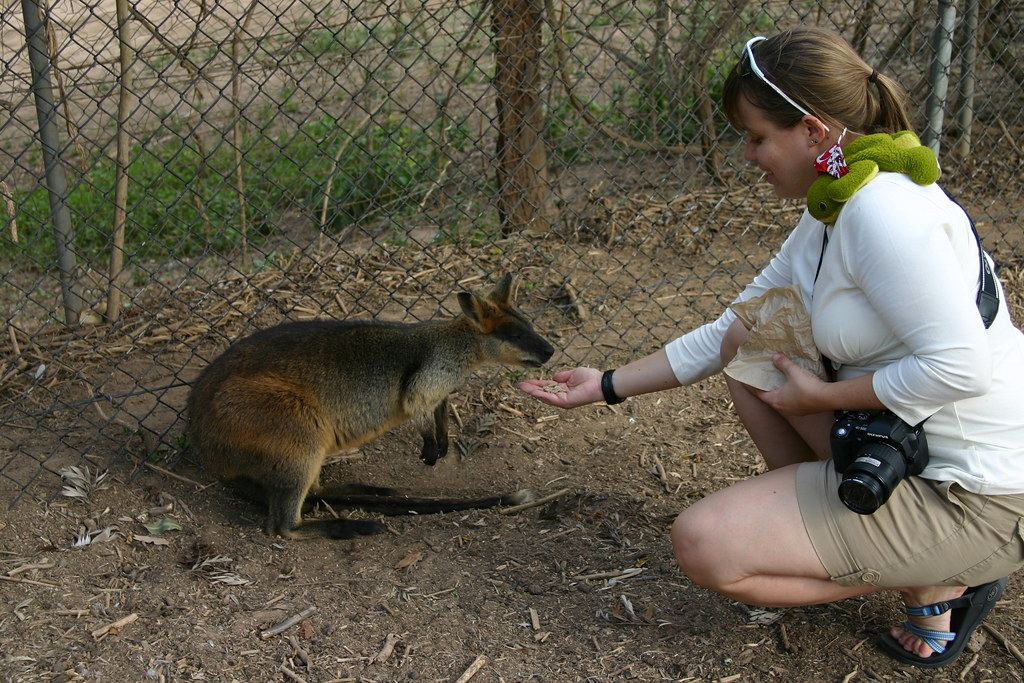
(756, 70)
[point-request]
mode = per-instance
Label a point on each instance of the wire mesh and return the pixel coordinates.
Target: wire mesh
(176, 175)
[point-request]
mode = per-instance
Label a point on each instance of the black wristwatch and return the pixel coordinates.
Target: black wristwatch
(607, 390)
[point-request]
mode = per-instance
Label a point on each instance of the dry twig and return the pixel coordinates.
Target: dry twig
(477, 664)
(12, 579)
(287, 623)
(533, 503)
(1004, 641)
(613, 574)
(970, 665)
(662, 475)
(114, 627)
(291, 674)
(172, 475)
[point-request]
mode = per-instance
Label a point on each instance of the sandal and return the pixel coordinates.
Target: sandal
(968, 612)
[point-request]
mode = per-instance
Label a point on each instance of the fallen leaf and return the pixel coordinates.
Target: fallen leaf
(306, 630)
(161, 525)
(153, 540)
(409, 560)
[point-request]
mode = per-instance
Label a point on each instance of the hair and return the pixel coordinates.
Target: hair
(820, 70)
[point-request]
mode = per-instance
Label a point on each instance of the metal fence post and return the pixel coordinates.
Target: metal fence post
(968, 77)
(56, 182)
(938, 75)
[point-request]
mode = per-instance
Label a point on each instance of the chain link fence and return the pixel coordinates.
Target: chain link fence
(176, 175)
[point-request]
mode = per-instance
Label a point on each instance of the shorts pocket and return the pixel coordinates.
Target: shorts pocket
(952, 492)
(1005, 560)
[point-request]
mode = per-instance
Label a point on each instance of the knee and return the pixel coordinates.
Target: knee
(693, 542)
(731, 341)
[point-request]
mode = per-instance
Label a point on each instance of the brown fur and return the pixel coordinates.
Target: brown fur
(266, 413)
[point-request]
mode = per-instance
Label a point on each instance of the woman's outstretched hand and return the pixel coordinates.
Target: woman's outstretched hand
(566, 389)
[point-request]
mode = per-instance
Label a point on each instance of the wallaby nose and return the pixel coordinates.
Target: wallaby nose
(544, 351)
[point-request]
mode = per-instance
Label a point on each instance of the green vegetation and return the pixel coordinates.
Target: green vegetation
(570, 138)
(664, 104)
(183, 200)
(183, 193)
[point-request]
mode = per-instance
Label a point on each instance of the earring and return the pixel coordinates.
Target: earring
(832, 160)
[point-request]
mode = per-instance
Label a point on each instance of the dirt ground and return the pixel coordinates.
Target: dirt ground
(581, 588)
(157, 574)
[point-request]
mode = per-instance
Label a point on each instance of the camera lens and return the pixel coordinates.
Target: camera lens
(862, 494)
(870, 479)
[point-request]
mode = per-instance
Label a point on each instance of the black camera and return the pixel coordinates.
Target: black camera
(874, 450)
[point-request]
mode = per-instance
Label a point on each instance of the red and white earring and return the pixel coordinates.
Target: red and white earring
(832, 161)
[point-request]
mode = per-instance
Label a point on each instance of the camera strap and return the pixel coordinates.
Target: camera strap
(988, 289)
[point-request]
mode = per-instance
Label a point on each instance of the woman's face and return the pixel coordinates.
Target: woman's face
(786, 155)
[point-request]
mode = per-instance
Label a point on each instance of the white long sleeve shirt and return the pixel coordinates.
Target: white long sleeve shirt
(895, 295)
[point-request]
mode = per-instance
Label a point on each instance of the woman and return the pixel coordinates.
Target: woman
(890, 288)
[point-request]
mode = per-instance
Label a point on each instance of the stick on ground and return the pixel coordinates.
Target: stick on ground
(104, 630)
(477, 664)
(533, 503)
(287, 623)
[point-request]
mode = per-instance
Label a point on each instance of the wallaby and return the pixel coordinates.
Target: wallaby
(265, 414)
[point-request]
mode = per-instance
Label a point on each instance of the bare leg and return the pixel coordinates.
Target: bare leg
(782, 440)
(748, 542)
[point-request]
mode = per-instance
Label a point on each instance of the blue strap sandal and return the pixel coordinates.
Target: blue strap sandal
(969, 610)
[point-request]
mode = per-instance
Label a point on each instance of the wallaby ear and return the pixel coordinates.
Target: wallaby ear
(502, 292)
(472, 307)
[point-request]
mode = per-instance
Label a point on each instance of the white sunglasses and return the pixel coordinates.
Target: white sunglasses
(760, 74)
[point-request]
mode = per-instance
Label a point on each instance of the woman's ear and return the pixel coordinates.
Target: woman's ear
(816, 130)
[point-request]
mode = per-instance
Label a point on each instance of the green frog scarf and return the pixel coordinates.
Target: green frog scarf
(900, 153)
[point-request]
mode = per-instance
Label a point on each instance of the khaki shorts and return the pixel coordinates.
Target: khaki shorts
(928, 533)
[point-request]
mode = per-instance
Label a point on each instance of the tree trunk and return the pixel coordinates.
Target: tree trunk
(523, 191)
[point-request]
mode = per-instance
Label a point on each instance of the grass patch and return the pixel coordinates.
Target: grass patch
(183, 200)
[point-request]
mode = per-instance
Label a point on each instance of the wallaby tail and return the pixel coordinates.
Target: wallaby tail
(402, 505)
